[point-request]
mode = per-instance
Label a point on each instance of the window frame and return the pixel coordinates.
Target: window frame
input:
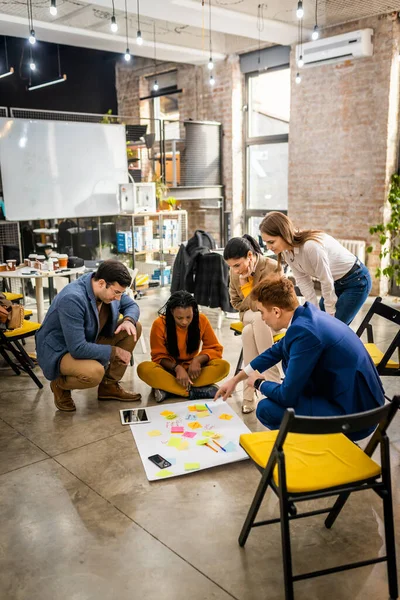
(259, 140)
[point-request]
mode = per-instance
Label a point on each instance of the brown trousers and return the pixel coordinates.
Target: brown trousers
(82, 374)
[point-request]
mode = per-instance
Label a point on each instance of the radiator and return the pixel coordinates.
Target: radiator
(357, 247)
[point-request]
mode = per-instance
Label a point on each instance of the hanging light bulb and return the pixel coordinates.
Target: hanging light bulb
(210, 64)
(139, 39)
(212, 80)
(32, 37)
(127, 55)
(53, 8)
(114, 26)
(300, 10)
(300, 62)
(32, 66)
(298, 78)
(315, 33)
(155, 86)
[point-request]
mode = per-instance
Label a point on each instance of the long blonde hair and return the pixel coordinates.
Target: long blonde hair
(277, 224)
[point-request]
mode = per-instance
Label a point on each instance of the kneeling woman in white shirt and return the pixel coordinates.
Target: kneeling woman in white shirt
(345, 280)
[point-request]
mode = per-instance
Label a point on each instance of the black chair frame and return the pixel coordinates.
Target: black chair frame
(381, 485)
(391, 314)
(24, 362)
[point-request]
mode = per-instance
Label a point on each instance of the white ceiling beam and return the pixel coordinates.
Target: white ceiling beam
(61, 34)
(227, 21)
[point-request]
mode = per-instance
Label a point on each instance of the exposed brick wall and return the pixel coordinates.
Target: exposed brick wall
(199, 101)
(343, 140)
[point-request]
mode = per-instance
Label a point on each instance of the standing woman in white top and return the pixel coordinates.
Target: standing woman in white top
(345, 280)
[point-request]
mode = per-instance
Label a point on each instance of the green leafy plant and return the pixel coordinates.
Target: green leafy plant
(108, 118)
(171, 201)
(161, 188)
(389, 235)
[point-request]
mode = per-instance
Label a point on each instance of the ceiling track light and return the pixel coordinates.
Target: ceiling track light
(53, 8)
(315, 33)
(210, 62)
(114, 26)
(139, 39)
(127, 55)
(9, 70)
(32, 36)
(60, 79)
(300, 10)
(42, 85)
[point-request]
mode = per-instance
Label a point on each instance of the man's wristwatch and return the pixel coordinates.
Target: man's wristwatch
(258, 382)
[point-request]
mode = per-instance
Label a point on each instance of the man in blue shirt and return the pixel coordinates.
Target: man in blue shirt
(327, 369)
(80, 343)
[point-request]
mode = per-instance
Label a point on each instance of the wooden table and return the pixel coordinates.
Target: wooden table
(38, 276)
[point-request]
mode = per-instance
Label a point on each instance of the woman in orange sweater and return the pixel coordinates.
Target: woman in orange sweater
(186, 357)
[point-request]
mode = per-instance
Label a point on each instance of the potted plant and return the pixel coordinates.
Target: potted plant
(389, 235)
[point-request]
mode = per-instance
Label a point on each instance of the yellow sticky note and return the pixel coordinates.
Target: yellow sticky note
(165, 413)
(154, 433)
(199, 415)
(194, 425)
(171, 417)
(192, 466)
(217, 436)
(164, 473)
(209, 434)
(226, 417)
(202, 442)
(192, 407)
(201, 407)
(184, 445)
(174, 442)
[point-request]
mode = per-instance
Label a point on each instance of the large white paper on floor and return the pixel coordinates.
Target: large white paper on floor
(155, 437)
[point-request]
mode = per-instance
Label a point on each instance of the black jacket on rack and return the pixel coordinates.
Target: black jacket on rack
(211, 283)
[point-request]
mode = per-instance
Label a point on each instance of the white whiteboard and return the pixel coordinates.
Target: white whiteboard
(56, 169)
(155, 438)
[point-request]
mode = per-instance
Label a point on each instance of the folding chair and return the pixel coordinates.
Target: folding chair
(10, 346)
(383, 361)
(310, 458)
(12, 297)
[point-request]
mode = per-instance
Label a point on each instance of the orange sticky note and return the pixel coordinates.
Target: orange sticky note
(192, 408)
(226, 417)
(194, 425)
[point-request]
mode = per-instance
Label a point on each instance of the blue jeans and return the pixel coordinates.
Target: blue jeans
(351, 291)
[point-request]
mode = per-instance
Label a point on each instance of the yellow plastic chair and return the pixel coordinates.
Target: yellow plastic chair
(11, 347)
(311, 458)
(382, 360)
(13, 297)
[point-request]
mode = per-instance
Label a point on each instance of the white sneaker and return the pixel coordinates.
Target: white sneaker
(159, 395)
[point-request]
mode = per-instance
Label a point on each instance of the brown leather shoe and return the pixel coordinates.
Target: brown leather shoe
(62, 398)
(113, 391)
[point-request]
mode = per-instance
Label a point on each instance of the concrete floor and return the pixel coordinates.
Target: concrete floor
(79, 520)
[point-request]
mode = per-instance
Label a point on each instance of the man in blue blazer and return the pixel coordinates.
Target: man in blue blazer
(328, 371)
(80, 344)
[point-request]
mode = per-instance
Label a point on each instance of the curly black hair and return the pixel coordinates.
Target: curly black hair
(181, 299)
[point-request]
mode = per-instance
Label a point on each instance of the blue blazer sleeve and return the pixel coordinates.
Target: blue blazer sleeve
(72, 320)
(129, 308)
(304, 352)
(269, 357)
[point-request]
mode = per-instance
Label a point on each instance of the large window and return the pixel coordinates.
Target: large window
(267, 137)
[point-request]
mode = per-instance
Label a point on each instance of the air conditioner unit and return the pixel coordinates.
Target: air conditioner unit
(355, 44)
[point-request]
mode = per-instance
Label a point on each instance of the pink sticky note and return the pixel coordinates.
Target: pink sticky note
(189, 434)
(177, 429)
